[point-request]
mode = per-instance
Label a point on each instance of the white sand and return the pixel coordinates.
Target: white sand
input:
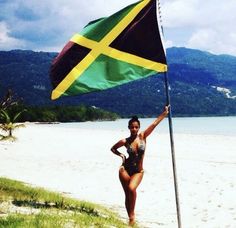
(79, 162)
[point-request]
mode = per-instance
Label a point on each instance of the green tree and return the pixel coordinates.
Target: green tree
(9, 125)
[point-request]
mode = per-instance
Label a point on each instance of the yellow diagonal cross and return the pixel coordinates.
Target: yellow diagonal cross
(98, 48)
(119, 55)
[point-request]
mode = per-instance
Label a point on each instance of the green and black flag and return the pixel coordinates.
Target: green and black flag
(110, 51)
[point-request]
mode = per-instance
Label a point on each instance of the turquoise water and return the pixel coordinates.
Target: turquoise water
(186, 125)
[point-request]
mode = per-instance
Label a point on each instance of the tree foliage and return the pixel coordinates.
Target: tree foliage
(8, 122)
(194, 76)
(63, 113)
(9, 125)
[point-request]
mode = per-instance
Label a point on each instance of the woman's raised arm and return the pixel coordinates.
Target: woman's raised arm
(149, 130)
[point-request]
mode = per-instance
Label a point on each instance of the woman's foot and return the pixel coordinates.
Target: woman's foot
(132, 221)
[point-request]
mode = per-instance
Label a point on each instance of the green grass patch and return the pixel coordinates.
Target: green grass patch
(24, 206)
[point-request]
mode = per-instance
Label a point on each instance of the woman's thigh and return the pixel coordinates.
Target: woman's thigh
(135, 180)
(124, 178)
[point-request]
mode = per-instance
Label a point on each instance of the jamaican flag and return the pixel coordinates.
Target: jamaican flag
(110, 51)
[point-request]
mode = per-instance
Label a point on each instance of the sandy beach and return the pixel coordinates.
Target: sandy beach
(78, 161)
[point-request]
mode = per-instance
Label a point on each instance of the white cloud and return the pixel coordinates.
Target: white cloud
(52, 23)
(211, 24)
(179, 13)
(213, 41)
(6, 41)
(168, 43)
(49, 24)
(204, 38)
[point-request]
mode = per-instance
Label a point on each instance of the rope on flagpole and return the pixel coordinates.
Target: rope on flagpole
(160, 16)
(167, 87)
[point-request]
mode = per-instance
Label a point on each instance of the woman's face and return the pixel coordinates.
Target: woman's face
(134, 128)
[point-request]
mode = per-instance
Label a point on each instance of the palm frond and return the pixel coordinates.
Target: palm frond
(5, 115)
(17, 115)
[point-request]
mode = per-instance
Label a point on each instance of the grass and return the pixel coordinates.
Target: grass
(24, 206)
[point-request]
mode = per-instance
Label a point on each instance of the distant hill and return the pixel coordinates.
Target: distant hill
(202, 84)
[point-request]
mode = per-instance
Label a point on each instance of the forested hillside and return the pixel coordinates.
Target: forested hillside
(201, 84)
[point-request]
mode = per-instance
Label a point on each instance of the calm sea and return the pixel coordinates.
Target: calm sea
(186, 125)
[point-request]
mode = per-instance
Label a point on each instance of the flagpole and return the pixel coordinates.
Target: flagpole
(167, 86)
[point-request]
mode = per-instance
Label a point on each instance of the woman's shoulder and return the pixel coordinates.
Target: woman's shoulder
(141, 135)
(120, 143)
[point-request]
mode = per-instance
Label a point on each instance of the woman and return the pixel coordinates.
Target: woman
(131, 171)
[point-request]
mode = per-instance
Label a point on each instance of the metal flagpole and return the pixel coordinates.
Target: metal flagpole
(167, 87)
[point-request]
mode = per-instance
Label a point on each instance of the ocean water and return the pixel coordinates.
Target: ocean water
(181, 125)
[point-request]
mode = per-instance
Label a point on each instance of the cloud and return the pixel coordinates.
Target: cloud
(26, 14)
(179, 13)
(213, 41)
(7, 42)
(47, 24)
(211, 24)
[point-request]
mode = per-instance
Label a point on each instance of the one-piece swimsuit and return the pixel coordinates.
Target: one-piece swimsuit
(132, 162)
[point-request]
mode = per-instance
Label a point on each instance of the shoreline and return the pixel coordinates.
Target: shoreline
(78, 161)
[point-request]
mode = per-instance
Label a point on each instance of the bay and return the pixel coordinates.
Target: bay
(181, 125)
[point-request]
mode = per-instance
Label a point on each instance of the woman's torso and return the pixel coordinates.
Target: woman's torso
(135, 149)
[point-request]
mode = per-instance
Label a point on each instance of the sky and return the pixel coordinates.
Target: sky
(47, 25)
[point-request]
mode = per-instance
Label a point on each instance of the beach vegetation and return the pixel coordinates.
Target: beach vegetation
(22, 205)
(63, 113)
(9, 125)
(8, 100)
(8, 120)
(13, 108)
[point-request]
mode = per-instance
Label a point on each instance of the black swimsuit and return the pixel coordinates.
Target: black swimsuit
(131, 164)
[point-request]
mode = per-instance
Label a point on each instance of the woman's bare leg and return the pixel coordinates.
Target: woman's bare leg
(125, 180)
(130, 185)
(134, 182)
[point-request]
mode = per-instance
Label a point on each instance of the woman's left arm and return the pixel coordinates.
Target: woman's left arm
(149, 130)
